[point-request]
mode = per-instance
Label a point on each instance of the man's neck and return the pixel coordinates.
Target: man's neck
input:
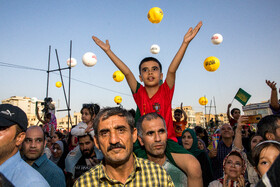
(151, 91)
(7, 156)
(30, 162)
(158, 160)
(227, 141)
(121, 172)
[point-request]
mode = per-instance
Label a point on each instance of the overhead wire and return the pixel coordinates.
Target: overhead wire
(3, 64)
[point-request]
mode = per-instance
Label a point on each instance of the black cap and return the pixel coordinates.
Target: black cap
(10, 115)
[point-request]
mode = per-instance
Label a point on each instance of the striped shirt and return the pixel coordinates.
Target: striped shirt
(145, 173)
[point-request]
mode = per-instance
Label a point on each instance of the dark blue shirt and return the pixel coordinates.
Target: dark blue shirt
(217, 162)
(50, 171)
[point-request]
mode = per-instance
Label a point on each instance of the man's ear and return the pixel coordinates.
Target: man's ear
(161, 76)
(134, 135)
(140, 77)
(20, 138)
(140, 141)
(270, 136)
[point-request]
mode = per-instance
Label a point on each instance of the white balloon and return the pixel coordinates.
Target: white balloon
(89, 59)
(34, 99)
(73, 62)
(155, 49)
(217, 39)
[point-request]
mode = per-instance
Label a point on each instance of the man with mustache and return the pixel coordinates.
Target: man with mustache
(114, 136)
(33, 153)
(152, 136)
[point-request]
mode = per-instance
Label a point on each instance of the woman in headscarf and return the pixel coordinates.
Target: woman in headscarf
(59, 154)
(234, 169)
(190, 142)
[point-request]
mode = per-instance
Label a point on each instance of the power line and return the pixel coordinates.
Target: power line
(3, 64)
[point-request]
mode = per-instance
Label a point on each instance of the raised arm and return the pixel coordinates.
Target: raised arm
(120, 65)
(184, 113)
(228, 113)
(238, 132)
(38, 116)
(273, 98)
(171, 73)
(191, 166)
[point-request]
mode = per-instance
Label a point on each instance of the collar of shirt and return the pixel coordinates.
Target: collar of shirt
(40, 160)
(10, 163)
(103, 176)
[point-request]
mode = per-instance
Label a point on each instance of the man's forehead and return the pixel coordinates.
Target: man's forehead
(112, 122)
(34, 132)
(155, 123)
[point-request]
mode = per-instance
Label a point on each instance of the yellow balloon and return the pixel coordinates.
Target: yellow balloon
(155, 15)
(58, 84)
(118, 99)
(118, 76)
(211, 63)
(203, 101)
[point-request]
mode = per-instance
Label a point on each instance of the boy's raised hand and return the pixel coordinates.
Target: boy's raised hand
(272, 84)
(102, 45)
(192, 33)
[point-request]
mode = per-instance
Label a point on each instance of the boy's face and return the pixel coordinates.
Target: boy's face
(236, 114)
(177, 116)
(150, 73)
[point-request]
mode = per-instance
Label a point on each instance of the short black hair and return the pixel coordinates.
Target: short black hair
(90, 137)
(150, 59)
(232, 111)
(268, 124)
(178, 111)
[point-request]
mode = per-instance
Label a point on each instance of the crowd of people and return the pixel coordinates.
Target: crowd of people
(113, 146)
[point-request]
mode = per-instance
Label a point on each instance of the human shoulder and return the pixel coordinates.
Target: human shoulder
(148, 166)
(92, 176)
(29, 176)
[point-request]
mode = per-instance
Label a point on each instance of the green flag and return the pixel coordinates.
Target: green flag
(242, 96)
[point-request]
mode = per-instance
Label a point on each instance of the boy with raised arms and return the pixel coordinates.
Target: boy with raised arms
(156, 97)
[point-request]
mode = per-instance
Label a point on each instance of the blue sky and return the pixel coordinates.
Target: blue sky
(249, 53)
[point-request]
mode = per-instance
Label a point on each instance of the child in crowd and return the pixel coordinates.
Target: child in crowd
(264, 154)
(235, 113)
(154, 96)
(88, 111)
(180, 125)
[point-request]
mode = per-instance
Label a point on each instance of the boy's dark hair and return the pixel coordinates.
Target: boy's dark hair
(232, 111)
(150, 59)
(178, 111)
(268, 124)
